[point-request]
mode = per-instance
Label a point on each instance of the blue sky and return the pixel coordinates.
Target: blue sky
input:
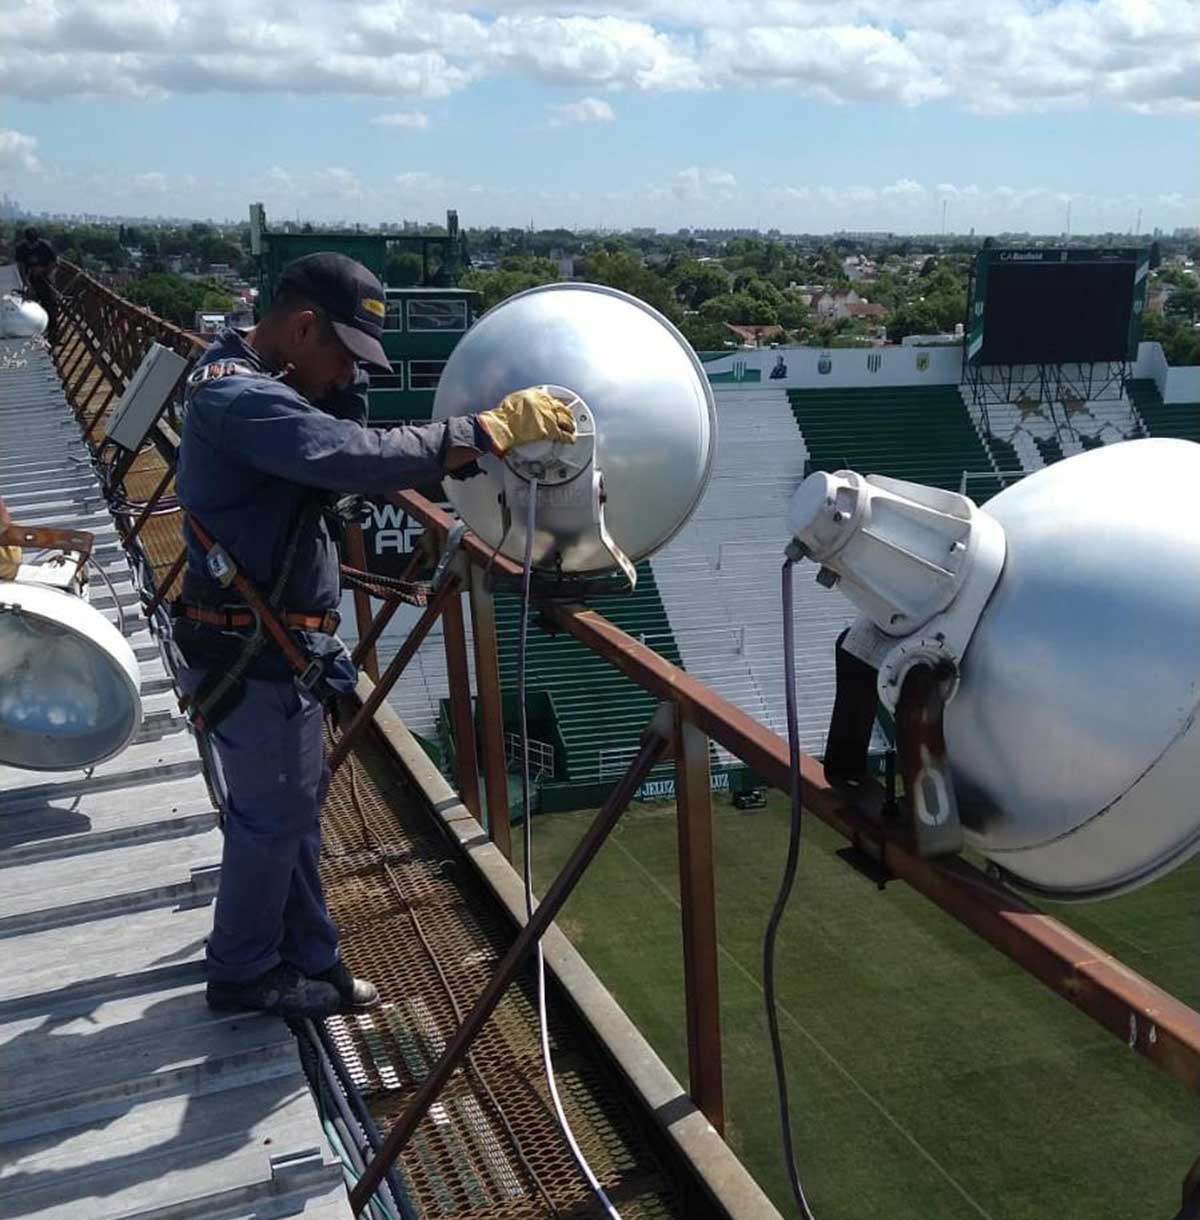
(778, 113)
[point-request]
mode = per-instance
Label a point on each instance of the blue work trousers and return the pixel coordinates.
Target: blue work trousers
(270, 907)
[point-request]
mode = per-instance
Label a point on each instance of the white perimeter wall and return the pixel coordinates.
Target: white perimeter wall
(815, 368)
(846, 366)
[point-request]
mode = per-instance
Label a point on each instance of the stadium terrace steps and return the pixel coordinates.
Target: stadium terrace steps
(919, 433)
(1178, 419)
(1029, 436)
(599, 712)
(720, 576)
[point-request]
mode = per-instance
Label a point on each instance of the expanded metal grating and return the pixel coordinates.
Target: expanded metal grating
(418, 924)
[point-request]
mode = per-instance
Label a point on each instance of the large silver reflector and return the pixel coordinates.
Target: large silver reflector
(21, 319)
(68, 681)
(644, 412)
(1074, 736)
(1073, 727)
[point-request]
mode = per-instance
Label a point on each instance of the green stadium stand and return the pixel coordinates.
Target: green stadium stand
(1050, 449)
(599, 712)
(919, 433)
(1178, 419)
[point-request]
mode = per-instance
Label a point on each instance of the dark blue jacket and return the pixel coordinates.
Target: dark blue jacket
(256, 462)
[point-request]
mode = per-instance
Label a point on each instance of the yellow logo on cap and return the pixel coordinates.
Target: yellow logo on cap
(374, 305)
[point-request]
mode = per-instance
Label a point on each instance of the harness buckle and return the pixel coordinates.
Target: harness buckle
(312, 674)
(220, 565)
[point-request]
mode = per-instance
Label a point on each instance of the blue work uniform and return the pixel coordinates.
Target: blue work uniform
(256, 458)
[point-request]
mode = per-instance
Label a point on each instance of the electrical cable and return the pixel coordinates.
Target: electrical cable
(403, 1205)
(335, 1128)
(91, 563)
(527, 870)
(116, 600)
(345, 1109)
(785, 890)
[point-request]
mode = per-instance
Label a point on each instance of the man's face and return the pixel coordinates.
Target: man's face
(320, 362)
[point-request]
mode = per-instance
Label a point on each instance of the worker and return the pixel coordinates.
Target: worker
(10, 556)
(274, 423)
(21, 254)
(40, 262)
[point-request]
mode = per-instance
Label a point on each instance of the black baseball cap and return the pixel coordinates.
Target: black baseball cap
(352, 297)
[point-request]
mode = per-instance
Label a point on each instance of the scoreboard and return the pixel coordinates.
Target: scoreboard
(1056, 306)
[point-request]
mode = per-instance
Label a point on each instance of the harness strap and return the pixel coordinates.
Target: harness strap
(233, 618)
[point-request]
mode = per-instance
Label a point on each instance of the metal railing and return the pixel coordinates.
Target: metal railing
(541, 756)
(107, 336)
(1004, 477)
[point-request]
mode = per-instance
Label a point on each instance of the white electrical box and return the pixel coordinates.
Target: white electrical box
(144, 397)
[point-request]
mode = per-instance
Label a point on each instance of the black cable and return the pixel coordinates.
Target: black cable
(785, 890)
(403, 1205)
(342, 1100)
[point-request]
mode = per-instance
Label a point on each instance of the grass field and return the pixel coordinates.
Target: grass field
(931, 1079)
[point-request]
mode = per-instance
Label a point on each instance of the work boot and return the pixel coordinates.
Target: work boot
(355, 993)
(283, 991)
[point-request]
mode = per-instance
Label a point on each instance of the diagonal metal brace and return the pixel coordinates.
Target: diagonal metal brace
(658, 736)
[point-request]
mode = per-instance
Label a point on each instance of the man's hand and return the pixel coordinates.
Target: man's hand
(528, 415)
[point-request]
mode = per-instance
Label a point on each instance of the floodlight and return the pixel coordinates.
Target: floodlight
(1060, 623)
(645, 420)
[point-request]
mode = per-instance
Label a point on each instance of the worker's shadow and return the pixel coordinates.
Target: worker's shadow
(105, 1063)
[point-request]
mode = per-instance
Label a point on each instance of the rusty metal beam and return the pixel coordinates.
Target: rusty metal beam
(466, 751)
(356, 553)
(491, 710)
(160, 594)
(399, 663)
(1148, 1019)
(698, 908)
(149, 506)
(655, 740)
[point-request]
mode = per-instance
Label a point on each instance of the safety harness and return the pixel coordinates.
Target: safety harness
(222, 688)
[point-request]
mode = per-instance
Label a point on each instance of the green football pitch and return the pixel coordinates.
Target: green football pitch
(930, 1078)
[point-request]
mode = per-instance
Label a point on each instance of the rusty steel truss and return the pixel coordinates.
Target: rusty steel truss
(102, 345)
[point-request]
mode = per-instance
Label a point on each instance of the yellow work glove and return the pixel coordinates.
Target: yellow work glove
(528, 415)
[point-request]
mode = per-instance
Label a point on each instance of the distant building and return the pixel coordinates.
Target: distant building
(830, 306)
(756, 336)
(859, 268)
(867, 311)
(209, 322)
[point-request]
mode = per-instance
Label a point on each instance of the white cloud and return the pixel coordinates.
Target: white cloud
(989, 56)
(153, 180)
(697, 184)
(410, 120)
(904, 188)
(419, 182)
(336, 182)
(597, 51)
(17, 151)
(586, 110)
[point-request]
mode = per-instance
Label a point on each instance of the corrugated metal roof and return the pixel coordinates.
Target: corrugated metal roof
(123, 1095)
